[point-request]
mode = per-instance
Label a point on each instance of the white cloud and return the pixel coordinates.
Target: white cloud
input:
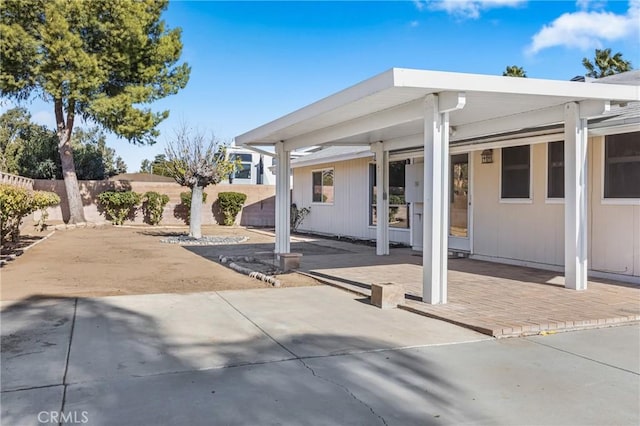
(588, 29)
(44, 118)
(414, 24)
(465, 9)
(591, 4)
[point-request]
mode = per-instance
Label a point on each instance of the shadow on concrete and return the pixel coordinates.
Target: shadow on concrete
(131, 372)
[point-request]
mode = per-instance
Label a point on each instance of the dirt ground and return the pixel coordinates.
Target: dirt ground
(117, 261)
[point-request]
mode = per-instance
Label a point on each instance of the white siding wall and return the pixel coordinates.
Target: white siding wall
(349, 214)
(535, 232)
(532, 232)
(614, 241)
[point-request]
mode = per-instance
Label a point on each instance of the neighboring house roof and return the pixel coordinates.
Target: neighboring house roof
(331, 154)
(631, 78)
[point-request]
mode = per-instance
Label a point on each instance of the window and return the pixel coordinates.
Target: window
(398, 207)
(244, 169)
(516, 172)
(323, 186)
(622, 166)
(555, 170)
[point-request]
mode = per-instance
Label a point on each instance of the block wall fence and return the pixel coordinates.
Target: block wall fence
(258, 210)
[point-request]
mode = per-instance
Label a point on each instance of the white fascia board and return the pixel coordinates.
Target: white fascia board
(361, 90)
(332, 159)
(438, 81)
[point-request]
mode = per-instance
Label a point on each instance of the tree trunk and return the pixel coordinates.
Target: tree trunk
(76, 210)
(195, 220)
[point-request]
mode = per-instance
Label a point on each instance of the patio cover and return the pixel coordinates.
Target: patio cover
(407, 108)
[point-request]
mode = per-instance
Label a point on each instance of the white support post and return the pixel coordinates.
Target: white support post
(283, 200)
(382, 199)
(436, 205)
(575, 198)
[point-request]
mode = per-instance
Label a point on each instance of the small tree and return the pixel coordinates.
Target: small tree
(196, 161)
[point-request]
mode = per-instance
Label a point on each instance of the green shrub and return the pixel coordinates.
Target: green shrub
(42, 200)
(119, 204)
(152, 205)
(16, 203)
(231, 203)
(185, 198)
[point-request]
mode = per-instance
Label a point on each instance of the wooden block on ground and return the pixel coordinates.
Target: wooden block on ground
(387, 295)
(289, 261)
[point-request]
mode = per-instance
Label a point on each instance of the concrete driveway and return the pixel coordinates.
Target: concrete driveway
(314, 355)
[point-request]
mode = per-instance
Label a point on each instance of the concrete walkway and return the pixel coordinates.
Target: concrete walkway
(314, 355)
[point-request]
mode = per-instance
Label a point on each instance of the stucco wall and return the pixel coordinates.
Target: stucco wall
(349, 214)
(259, 209)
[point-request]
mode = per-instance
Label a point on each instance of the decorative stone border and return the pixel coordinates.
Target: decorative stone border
(230, 262)
(64, 226)
(205, 240)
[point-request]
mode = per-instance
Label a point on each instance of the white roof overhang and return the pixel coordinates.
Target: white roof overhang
(390, 107)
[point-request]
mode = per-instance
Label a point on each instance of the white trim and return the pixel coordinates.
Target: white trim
(612, 201)
(469, 237)
(391, 228)
(301, 162)
(614, 129)
(547, 199)
(633, 279)
(620, 202)
(321, 203)
(528, 200)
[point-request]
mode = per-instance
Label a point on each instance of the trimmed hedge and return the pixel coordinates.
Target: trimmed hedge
(119, 204)
(16, 203)
(231, 203)
(153, 204)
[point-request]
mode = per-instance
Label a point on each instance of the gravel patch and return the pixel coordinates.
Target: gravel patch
(206, 240)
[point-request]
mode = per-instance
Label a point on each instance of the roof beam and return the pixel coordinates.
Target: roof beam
(404, 113)
(514, 122)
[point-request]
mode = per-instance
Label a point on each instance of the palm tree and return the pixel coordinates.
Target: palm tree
(514, 71)
(604, 64)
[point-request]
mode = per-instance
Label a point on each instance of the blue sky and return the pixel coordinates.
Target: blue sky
(255, 61)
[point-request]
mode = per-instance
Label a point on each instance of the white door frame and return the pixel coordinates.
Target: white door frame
(460, 243)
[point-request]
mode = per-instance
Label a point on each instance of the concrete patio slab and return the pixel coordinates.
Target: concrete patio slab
(21, 408)
(619, 347)
(317, 321)
(503, 382)
(284, 393)
(35, 341)
(153, 334)
(509, 382)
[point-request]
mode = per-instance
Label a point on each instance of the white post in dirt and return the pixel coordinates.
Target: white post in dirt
(436, 194)
(382, 199)
(575, 198)
(283, 199)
